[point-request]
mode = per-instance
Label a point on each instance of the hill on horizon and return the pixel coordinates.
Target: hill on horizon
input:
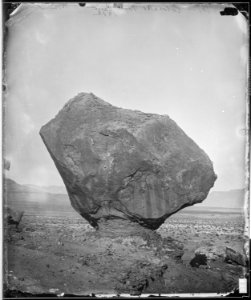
(225, 199)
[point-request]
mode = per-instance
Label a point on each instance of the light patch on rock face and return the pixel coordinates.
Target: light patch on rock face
(213, 252)
(125, 164)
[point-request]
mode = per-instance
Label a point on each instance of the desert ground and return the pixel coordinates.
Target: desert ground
(61, 254)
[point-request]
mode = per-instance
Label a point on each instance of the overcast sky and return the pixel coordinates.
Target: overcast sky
(185, 61)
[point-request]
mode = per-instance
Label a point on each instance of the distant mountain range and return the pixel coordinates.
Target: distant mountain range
(224, 199)
(53, 189)
(31, 198)
(55, 198)
(14, 187)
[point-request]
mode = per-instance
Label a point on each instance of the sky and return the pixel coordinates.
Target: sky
(186, 61)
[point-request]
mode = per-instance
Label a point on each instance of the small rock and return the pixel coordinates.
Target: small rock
(235, 256)
(30, 229)
(203, 267)
(144, 263)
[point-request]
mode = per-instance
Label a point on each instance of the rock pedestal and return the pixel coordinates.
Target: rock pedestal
(125, 165)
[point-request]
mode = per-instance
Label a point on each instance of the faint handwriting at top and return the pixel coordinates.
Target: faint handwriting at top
(108, 11)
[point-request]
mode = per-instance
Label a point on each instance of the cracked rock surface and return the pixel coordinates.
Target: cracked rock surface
(125, 165)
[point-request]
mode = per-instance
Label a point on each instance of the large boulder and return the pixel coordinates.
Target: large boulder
(125, 164)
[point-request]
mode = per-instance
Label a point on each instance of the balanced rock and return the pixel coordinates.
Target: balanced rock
(121, 164)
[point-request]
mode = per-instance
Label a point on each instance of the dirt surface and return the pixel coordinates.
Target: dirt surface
(63, 254)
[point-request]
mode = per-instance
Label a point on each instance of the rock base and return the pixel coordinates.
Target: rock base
(122, 228)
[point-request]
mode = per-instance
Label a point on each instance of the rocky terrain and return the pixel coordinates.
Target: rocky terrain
(56, 254)
(54, 250)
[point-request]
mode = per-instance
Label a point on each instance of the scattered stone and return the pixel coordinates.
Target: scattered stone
(223, 253)
(204, 267)
(138, 168)
(139, 277)
(88, 260)
(132, 241)
(30, 229)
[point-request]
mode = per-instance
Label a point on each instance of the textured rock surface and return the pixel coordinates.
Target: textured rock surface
(119, 163)
(236, 257)
(13, 217)
(212, 252)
